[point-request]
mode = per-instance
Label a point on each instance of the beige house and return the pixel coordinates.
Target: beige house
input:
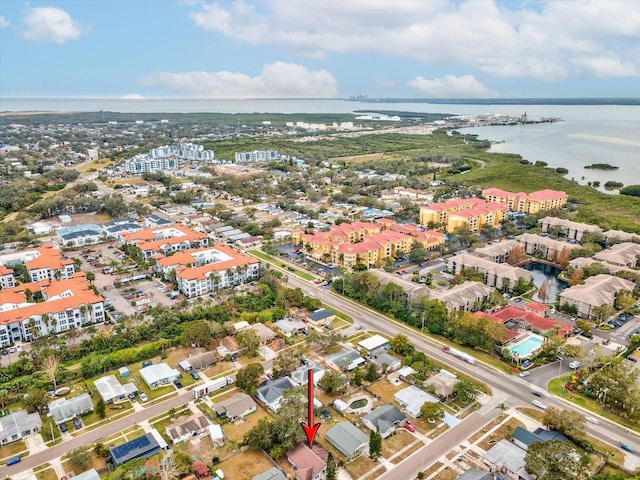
(443, 383)
(595, 292)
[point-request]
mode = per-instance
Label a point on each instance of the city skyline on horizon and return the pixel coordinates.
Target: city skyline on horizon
(195, 49)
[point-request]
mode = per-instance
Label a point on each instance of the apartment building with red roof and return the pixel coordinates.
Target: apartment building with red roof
(474, 213)
(515, 317)
(363, 243)
(538, 201)
(65, 304)
(202, 270)
(41, 263)
(165, 239)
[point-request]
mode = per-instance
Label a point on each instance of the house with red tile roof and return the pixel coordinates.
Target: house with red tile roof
(517, 318)
(202, 270)
(66, 304)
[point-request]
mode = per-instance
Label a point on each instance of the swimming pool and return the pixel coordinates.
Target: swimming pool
(528, 346)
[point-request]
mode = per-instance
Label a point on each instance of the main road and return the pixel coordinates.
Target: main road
(513, 388)
(516, 389)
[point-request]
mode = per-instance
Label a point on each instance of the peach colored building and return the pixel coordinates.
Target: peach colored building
(351, 244)
(539, 201)
(472, 212)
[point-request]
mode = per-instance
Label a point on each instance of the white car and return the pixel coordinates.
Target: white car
(359, 327)
(524, 374)
(539, 404)
(143, 397)
(592, 420)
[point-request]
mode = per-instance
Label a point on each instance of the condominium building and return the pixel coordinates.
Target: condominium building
(596, 291)
(257, 156)
(567, 228)
(203, 270)
(41, 263)
(363, 243)
(65, 304)
(539, 201)
(498, 275)
(167, 157)
(164, 240)
(473, 213)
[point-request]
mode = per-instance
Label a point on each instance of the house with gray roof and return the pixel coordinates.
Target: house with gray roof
(271, 391)
(594, 292)
(571, 230)
(384, 419)
(290, 327)
(498, 252)
(497, 275)
(145, 446)
(236, 407)
(384, 362)
(320, 317)
(507, 458)
(17, 425)
(344, 359)
(264, 333)
(271, 474)
(301, 376)
(186, 427)
(116, 228)
(64, 409)
(348, 439)
(112, 391)
(412, 398)
(198, 361)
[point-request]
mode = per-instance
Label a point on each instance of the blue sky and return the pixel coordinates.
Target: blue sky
(289, 48)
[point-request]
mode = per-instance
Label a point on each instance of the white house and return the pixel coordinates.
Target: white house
(17, 425)
(412, 398)
(159, 374)
(112, 391)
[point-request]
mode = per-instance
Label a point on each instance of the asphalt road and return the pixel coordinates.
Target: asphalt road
(95, 435)
(516, 389)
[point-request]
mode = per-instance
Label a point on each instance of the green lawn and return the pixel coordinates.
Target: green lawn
(12, 449)
(556, 386)
(278, 263)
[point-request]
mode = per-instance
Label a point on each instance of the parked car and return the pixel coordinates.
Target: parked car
(132, 397)
(194, 375)
(408, 426)
(14, 460)
(525, 373)
(143, 397)
(77, 424)
(5, 351)
(177, 383)
(63, 427)
(539, 404)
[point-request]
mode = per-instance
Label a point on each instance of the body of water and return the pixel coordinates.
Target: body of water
(542, 272)
(585, 135)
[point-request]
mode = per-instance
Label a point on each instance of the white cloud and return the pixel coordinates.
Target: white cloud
(50, 24)
(541, 40)
(277, 80)
(3, 22)
(451, 86)
(133, 96)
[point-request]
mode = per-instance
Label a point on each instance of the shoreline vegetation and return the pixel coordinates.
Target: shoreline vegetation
(601, 166)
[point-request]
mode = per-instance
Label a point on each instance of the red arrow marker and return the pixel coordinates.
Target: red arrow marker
(310, 432)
